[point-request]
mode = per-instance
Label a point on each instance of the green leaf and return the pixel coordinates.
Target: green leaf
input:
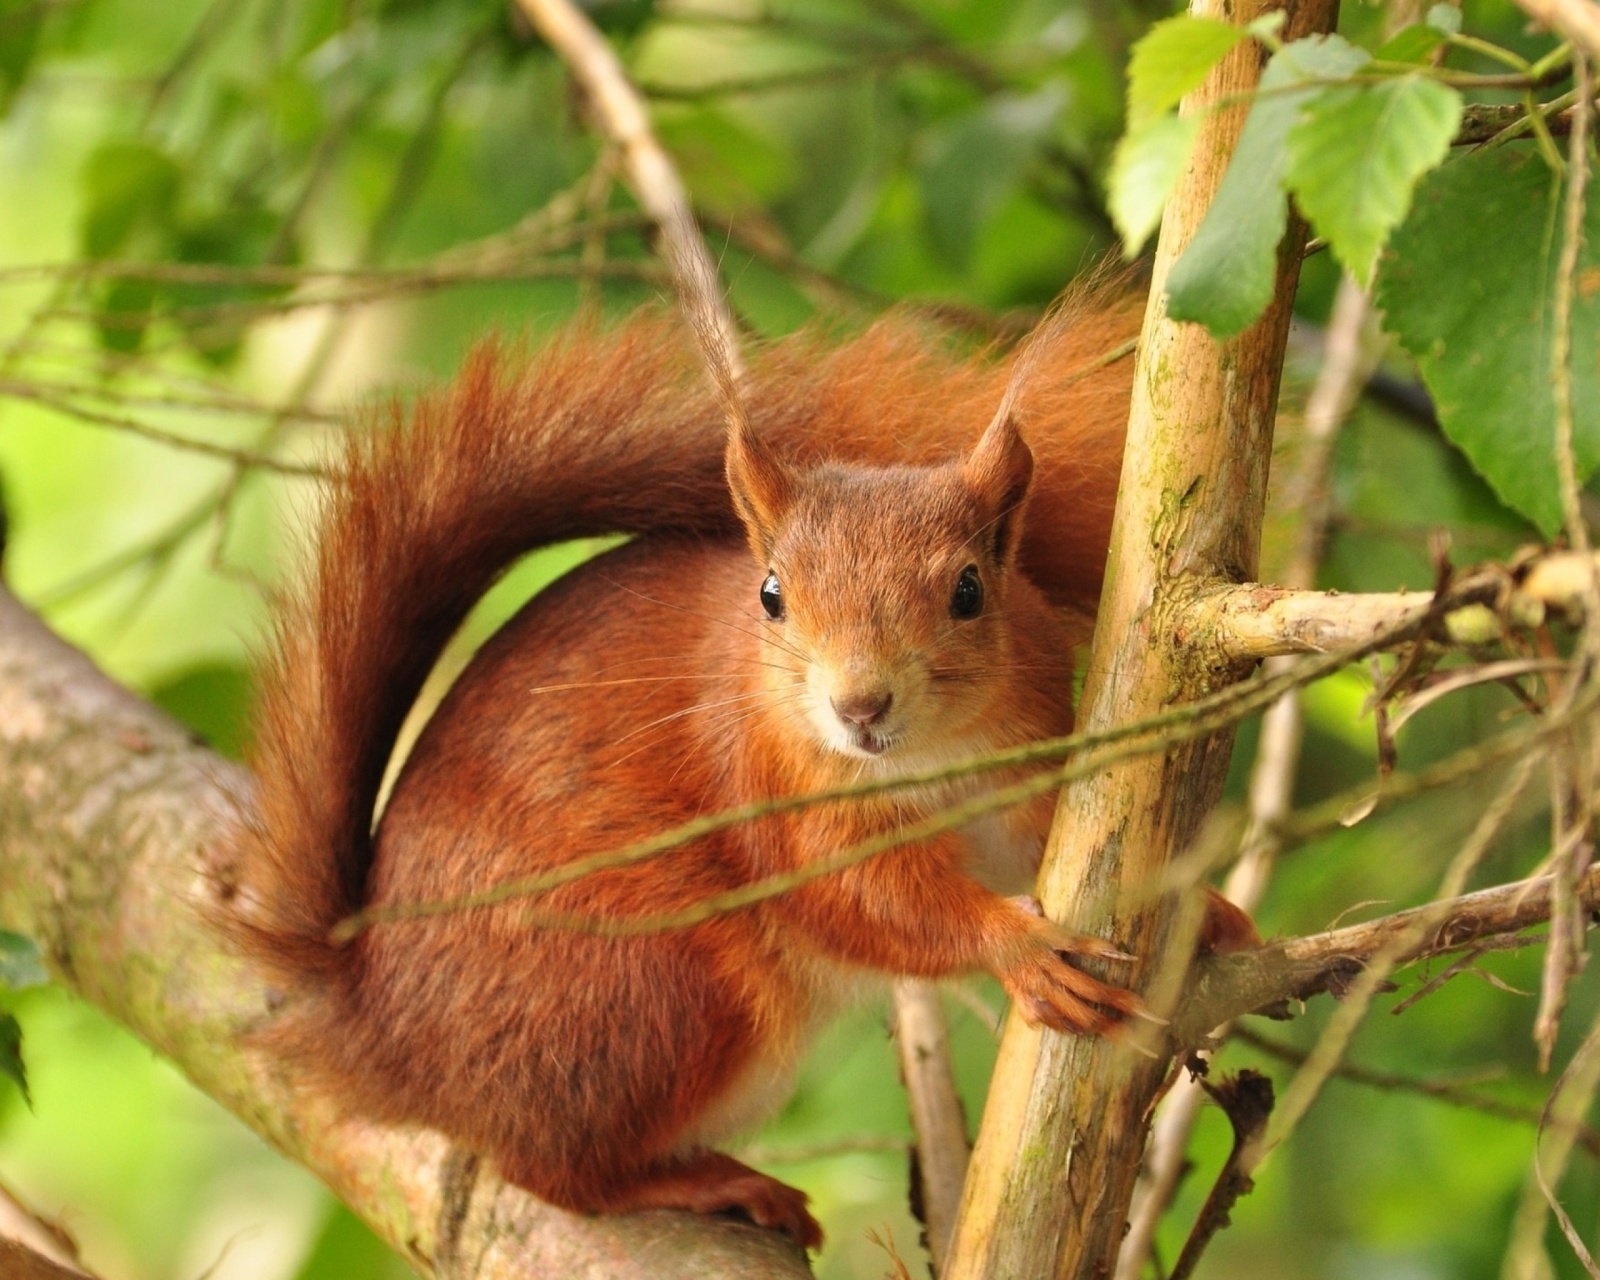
(11, 1056)
(1224, 278)
(19, 962)
(1446, 18)
(1467, 288)
(977, 161)
(125, 310)
(1174, 57)
(20, 24)
(1414, 44)
(213, 700)
(1144, 168)
(1355, 157)
(241, 236)
(128, 188)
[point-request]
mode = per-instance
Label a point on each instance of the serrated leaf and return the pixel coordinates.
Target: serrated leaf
(19, 962)
(1172, 58)
(1467, 287)
(1144, 168)
(1356, 154)
(1224, 278)
(11, 1056)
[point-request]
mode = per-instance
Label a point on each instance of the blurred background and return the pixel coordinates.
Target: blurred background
(238, 221)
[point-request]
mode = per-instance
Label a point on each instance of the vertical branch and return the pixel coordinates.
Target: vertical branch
(922, 1041)
(1057, 1154)
(1572, 847)
(1350, 356)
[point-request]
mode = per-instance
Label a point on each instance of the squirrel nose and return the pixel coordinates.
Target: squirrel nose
(862, 709)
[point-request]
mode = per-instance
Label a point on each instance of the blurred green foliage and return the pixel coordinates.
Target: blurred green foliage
(236, 221)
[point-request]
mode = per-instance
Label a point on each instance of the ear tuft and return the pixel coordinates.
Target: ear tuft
(998, 471)
(763, 487)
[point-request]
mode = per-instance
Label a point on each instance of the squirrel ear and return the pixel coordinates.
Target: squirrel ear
(761, 485)
(998, 470)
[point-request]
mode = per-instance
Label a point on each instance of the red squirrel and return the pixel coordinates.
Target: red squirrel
(901, 609)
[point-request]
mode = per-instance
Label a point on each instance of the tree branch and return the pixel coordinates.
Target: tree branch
(1188, 515)
(117, 831)
(1225, 987)
(1227, 624)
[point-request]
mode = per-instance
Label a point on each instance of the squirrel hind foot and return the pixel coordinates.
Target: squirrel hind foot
(711, 1182)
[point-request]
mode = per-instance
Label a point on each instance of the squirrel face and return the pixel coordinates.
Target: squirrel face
(883, 594)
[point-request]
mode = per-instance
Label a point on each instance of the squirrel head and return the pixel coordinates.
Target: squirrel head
(881, 593)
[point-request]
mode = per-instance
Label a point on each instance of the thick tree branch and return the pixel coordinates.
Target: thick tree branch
(1052, 1175)
(115, 830)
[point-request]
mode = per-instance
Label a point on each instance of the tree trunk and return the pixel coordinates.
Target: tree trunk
(1066, 1122)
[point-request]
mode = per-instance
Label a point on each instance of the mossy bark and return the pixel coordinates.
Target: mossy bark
(116, 831)
(1065, 1126)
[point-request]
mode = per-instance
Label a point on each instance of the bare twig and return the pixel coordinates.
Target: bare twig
(922, 1040)
(622, 117)
(1296, 968)
(1574, 763)
(1455, 1093)
(1247, 1101)
(239, 457)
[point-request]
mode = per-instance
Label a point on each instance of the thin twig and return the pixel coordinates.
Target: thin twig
(237, 455)
(1455, 1093)
(620, 112)
(1573, 771)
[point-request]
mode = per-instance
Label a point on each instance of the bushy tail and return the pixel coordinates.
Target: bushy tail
(596, 434)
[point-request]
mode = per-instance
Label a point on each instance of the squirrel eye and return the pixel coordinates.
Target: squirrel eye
(967, 599)
(772, 596)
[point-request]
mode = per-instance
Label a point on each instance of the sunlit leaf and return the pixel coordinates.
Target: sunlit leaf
(1468, 288)
(1144, 169)
(1355, 156)
(1173, 57)
(1224, 278)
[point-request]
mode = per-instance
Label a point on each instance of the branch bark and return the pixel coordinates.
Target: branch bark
(1054, 1167)
(922, 1042)
(1227, 624)
(1225, 987)
(116, 830)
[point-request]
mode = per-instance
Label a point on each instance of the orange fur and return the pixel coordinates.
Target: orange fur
(651, 686)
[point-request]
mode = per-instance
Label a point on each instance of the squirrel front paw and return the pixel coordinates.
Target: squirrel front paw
(1052, 992)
